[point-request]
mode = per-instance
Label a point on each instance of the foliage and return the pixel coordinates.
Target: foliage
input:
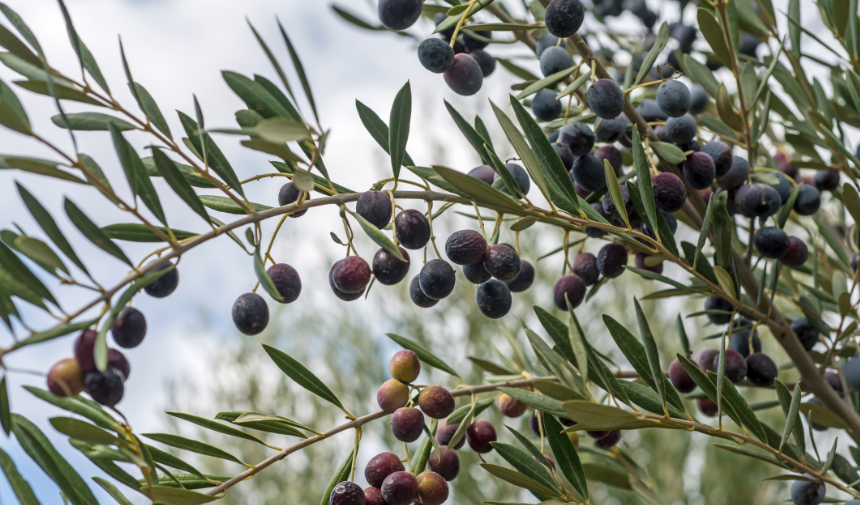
(751, 273)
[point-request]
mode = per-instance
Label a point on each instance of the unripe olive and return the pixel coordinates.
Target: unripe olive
(392, 395)
(510, 406)
(65, 378)
(432, 488)
(404, 366)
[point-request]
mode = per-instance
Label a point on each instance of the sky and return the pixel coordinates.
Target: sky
(176, 49)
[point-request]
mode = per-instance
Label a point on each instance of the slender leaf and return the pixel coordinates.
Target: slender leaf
(91, 121)
(12, 113)
(265, 280)
(746, 414)
(84, 54)
(521, 147)
(669, 152)
(137, 232)
(565, 455)
(398, 134)
(176, 496)
(615, 192)
(93, 233)
(215, 158)
(340, 475)
(478, 189)
(228, 205)
(62, 92)
(518, 479)
(301, 375)
(713, 34)
(823, 416)
(300, 71)
(167, 168)
(377, 129)
(112, 491)
(83, 431)
(525, 464)
(637, 354)
(651, 57)
(40, 449)
(787, 401)
(469, 132)
(192, 446)
(792, 415)
(13, 44)
(49, 226)
(701, 74)
(570, 88)
(550, 81)
(643, 172)
(423, 354)
(422, 455)
(150, 108)
(377, 236)
(214, 426)
(558, 179)
(536, 401)
(19, 485)
(56, 332)
(40, 253)
(137, 174)
(39, 167)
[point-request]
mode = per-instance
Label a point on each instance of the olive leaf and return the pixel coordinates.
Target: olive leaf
(423, 354)
(398, 134)
(340, 475)
(92, 232)
(265, 280)
(19, 485)
(301, 375)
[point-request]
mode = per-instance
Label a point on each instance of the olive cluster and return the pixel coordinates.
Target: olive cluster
(743, 360)
(71, 376)
(389, 481)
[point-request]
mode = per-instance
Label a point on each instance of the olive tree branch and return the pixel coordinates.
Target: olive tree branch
(521, 383)
(171, 145)
(724, 21)
(356, 423)
(565, 222)
(695, 208)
